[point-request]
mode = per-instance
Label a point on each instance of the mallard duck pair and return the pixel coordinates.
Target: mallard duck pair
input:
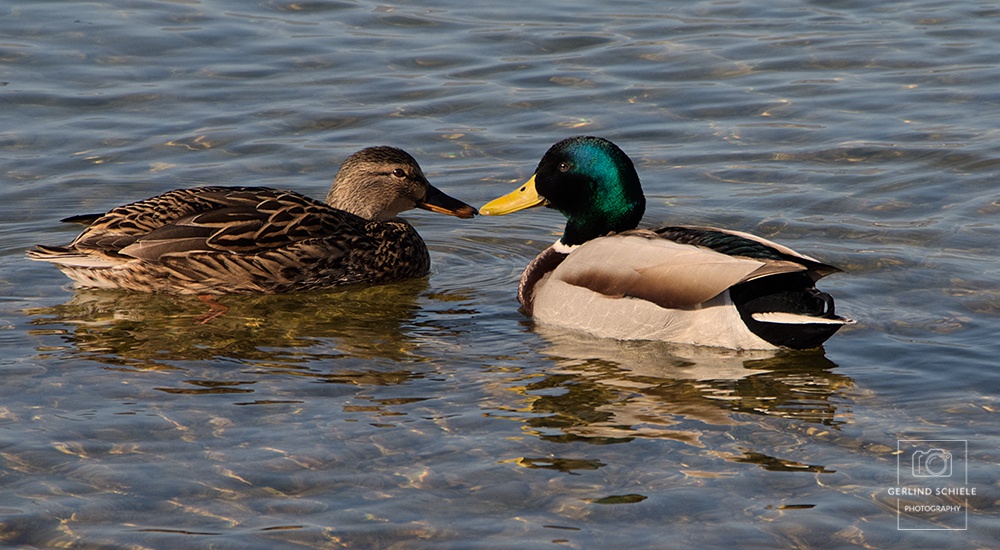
(697, 285)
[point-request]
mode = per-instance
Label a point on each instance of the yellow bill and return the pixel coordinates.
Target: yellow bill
(523, 197)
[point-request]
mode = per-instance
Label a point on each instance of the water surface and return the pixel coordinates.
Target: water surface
(430, 413)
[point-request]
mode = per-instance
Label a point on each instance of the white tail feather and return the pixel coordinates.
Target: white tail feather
(784, 318)
(70, 260)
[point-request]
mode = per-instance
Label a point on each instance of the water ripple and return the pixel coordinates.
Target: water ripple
(432, 412)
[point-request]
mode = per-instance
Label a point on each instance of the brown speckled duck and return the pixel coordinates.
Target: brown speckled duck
(694, 285)
(248, 240)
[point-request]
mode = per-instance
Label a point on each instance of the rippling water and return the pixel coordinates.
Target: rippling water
(431, 413)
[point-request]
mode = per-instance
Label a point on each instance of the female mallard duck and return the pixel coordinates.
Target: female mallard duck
(245, 240)
(694, 285)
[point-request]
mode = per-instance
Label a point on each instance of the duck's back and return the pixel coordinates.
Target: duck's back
(236, 240)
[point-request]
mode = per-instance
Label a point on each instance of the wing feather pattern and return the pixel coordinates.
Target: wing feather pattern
(738, 243)
(213, 219)
(640, 264)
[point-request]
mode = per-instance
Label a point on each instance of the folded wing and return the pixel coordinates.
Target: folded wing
(651, 266)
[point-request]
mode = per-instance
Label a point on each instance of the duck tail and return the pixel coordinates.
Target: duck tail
(64, 256)
(787, 310)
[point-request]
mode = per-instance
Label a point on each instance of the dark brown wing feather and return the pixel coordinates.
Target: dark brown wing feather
(215, 219)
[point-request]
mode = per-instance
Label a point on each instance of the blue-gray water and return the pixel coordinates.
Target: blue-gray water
(431, 413)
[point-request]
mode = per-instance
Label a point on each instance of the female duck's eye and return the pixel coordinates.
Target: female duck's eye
(399, 173)
(563, 166)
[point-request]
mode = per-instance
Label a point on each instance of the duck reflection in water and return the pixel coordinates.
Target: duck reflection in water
(349, 332)
(603, 391)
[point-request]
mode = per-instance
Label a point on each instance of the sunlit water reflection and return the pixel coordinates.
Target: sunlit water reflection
(430, 412)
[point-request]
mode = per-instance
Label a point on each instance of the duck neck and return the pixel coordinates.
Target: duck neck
(580, 229)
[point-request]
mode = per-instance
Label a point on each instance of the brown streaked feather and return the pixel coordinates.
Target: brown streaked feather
(273, 220)
(154, 249)
(82, 219)
(226, 217)
(237, 240)
(141, 217)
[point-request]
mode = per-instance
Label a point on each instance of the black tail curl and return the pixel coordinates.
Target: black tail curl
(786, 293)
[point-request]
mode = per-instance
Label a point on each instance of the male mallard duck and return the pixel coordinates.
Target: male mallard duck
(695, 285)
(244, 240)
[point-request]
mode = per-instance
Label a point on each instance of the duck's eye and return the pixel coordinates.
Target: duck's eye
(399, 173)
(563, 166)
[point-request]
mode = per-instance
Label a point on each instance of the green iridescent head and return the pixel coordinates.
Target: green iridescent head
(590, 180)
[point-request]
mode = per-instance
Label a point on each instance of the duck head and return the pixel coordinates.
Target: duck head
(589, 180)
(378, 183)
